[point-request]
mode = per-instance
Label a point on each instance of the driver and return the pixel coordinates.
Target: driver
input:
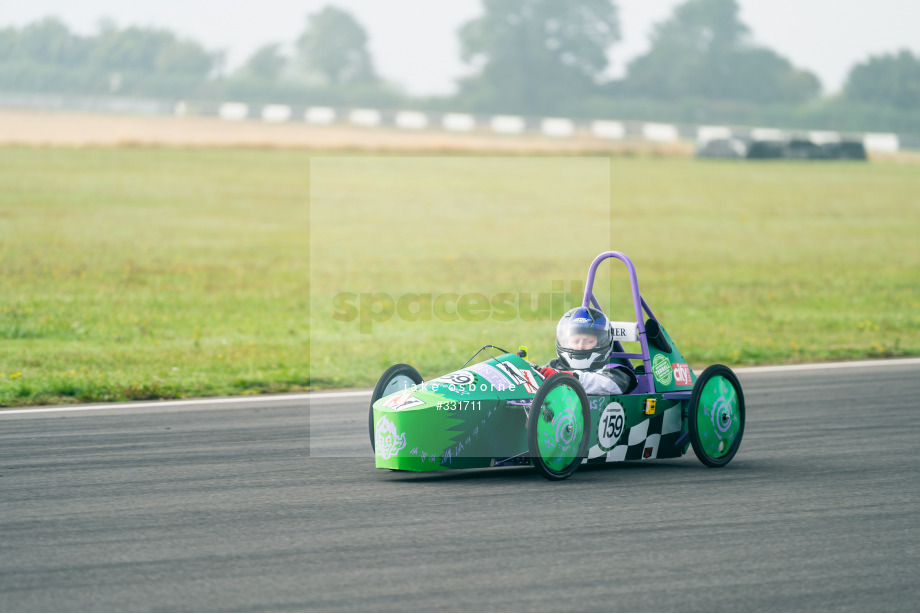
(583, 345)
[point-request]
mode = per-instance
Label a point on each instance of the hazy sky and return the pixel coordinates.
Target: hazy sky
(414, 41)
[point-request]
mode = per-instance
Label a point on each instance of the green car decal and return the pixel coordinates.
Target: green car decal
(661, 367)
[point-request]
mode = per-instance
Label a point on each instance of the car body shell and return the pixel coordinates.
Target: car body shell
(477, 415)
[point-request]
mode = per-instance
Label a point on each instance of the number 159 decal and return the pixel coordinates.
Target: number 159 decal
(610, 426)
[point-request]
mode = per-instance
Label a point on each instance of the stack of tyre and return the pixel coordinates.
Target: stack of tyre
(791, 149)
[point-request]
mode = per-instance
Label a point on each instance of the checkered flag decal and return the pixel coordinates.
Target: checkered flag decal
(656, 437)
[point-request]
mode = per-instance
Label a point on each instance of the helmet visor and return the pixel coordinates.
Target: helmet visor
(581, 334)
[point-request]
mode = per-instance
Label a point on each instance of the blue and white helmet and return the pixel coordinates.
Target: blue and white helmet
(583, 338)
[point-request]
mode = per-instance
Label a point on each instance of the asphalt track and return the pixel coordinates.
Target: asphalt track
(229, 507)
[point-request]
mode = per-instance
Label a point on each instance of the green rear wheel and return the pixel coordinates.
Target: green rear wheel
(716, 416)
(557, 426)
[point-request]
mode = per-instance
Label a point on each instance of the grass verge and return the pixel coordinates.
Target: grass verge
(142, 273)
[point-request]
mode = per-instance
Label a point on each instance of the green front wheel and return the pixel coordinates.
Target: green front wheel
(557, 426)
(716, 417)
(396, 378)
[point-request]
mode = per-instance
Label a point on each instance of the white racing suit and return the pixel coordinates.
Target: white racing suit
(617, 380)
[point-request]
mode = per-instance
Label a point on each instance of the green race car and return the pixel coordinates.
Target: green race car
(502, 412)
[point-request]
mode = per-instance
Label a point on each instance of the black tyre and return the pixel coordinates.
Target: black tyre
(716, 417)
(557, 427)
(396, 378)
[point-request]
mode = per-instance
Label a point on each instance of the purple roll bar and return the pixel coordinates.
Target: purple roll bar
(638, 304)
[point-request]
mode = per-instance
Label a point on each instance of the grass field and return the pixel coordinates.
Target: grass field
(138, 273)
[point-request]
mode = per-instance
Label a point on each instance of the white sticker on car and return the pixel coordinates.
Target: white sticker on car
(403, 400)
(457, 378)
(610, 426)
(519, 377)
(387, 442)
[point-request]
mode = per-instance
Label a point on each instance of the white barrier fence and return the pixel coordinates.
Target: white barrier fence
(233, 111)
(555, 127)
(365, 117)
(558, 127)
(276, 113)
(661, 133)
(608, 129)
(507, 124)
(319, 115)
(458, 122)
(823, 137)
(881, 143)
(411, 120)
(704, 134)
(768, 134)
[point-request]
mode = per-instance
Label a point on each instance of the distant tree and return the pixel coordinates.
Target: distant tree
(535, 54)
(334, 45)
(184, 57)
(130, 48)
(265, 64)
(9, 38)
(49, 41)
(704, 50)
(149, 50)
(45, 56)
(891, 79)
